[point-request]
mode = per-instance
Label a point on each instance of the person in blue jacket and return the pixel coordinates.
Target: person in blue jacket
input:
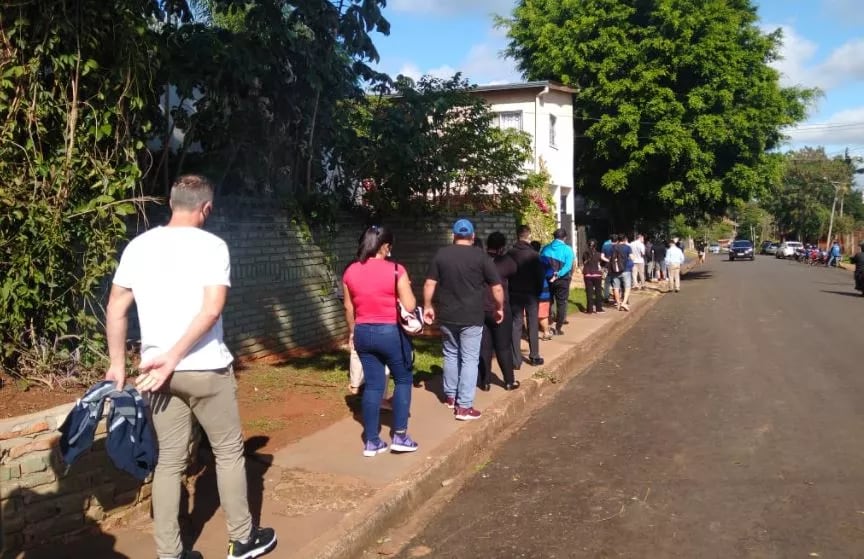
(560, 258)
(834, 253)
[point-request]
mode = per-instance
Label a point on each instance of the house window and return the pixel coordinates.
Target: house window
(510, 119)
(553, 120)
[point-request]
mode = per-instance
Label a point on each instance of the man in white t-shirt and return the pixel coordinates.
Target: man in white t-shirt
(178, 276)
(638, 257)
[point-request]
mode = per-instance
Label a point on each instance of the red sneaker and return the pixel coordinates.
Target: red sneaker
(467, 414)
(450, 402)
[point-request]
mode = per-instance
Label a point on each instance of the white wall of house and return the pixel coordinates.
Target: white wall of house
(546, 114)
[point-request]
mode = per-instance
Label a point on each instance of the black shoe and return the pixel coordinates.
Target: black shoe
(191, 555)
(535, 361)
(484, 386)
(513, 385)
(558, 332)
(261, 541)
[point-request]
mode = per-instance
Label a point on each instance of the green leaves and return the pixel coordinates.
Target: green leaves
(73, 123)
(429, 143)
(676, 97)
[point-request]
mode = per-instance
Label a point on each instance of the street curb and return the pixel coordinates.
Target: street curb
(361, 528)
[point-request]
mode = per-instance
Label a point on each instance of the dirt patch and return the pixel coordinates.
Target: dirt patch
(281, 403)
(15, 400)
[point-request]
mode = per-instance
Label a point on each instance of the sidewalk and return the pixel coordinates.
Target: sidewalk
(326, 500)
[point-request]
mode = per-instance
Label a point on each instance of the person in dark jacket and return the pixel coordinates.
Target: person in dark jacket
(858, 261)
(525, 287)
(498, 337)
(593, 274)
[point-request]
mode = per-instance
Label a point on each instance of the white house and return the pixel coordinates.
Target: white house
(544, 110)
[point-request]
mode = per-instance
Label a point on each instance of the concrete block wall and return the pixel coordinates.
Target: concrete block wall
(286, 279)
(42, 502)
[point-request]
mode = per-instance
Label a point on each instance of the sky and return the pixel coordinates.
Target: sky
(823, 47)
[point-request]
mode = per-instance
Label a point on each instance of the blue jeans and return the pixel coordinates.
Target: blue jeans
(379, 345)
(461, 358)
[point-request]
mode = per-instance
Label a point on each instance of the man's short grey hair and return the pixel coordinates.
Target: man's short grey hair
(190, 192)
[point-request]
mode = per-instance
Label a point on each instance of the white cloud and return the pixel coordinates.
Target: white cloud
(448, 7)
(798, 65)
(843, 128)
(796, 56)
(844, 65)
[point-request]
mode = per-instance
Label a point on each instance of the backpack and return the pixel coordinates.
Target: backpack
(617, 262)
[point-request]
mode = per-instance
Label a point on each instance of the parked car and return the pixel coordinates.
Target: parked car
(788, 249)
(763, 248)
(772, 248)
(714, 248)
(742, 249)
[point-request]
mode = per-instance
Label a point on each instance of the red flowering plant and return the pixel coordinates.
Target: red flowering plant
(535, 205)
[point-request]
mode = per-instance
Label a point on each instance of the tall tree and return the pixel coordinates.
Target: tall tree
(801, 202)
(75, 84)
(267, 78)
(677, 103)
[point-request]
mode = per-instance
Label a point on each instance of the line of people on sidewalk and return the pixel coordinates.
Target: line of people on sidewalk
(481, 300)
(624, 266)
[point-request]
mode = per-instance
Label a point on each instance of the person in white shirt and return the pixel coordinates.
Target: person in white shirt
(178, 277)
(674, 260)
(637, 254)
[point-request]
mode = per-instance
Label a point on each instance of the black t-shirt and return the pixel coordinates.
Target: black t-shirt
(858, 260)
(507, 268)
(463, 273)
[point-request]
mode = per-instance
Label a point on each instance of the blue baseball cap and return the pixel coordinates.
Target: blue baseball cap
(463, 227)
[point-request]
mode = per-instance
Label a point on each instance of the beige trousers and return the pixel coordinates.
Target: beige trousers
(211, 397)
(675, 277)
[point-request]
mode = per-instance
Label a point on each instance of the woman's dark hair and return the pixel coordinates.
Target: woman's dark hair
(372, 240)
(496, 241)
(592, 245)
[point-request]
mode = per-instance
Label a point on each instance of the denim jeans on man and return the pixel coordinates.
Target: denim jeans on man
(379, 345)
(461, 361)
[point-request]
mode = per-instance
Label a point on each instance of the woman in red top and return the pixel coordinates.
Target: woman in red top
(372, 286)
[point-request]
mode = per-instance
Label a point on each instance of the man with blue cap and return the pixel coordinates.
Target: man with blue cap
(456, 283)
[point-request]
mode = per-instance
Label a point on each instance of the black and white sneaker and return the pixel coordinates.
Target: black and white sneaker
(261, 541)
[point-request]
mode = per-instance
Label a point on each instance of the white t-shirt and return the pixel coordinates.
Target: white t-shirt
(167, 269)
(638, 254)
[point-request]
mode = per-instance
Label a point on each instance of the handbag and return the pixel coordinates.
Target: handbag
(410, 322)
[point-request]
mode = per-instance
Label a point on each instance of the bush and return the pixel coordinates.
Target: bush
(72, 93)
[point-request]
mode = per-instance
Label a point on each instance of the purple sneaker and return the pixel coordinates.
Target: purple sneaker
(403, 443)
(374, 447)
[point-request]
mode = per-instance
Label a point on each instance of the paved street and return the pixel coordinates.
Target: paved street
(728, 423)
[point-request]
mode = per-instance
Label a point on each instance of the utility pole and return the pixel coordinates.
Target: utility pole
(833, 208)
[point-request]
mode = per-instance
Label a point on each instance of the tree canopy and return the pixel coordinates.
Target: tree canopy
(677, 104)
(427, 144)
(801, 201)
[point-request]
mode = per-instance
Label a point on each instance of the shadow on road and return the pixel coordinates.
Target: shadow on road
(697, 275)
(846, 293)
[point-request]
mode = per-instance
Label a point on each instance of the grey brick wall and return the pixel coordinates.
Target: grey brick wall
(285, 281)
